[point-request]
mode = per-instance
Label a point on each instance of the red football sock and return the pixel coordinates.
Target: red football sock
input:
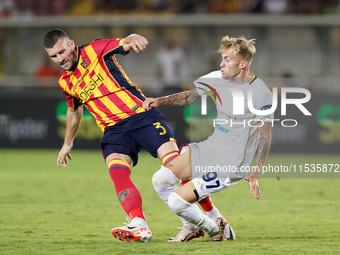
(205, 203)
(127, 193)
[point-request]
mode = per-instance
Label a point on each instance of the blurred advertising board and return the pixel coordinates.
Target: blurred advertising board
(36, 121)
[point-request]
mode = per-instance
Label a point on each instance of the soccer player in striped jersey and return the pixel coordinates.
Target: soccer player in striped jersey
(231, 147)
(93, 78)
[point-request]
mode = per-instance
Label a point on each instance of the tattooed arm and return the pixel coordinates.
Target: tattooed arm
(262, 153)
(179, 99)
(263, 147)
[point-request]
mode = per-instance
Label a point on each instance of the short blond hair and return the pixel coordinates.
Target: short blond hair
(242, 47)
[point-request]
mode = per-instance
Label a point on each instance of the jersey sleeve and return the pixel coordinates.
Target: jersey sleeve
(72, 102)
(207, 83)
(109, 46)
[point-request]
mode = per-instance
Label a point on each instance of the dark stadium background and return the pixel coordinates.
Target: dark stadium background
(298, 45)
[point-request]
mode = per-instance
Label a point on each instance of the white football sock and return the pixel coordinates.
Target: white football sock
(192, 214)
(188, 224)
(165, 182)
(214, 213)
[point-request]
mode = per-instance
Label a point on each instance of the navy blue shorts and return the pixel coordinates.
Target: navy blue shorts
(147, 130)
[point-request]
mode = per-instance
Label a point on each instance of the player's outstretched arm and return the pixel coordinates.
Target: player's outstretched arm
(150, 103)
(135, 42)
(262, 153)
(73, 120)
(179, 99)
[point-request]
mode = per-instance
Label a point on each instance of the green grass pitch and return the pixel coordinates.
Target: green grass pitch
(46, 210)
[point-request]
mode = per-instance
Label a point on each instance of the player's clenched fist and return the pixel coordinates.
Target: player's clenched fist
(150, 103)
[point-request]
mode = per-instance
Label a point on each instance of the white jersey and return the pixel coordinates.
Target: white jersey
(235, 136)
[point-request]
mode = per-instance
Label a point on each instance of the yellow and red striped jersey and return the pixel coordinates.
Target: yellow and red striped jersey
(99, 82)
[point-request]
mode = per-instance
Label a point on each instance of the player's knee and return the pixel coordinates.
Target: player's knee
(157, 180)
(177, 204)
(164, 178)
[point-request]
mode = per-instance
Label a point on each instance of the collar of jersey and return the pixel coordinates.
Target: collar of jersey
(78, 49)
(252, 79)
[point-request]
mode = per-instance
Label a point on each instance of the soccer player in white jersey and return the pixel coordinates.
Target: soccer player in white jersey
(236, 139)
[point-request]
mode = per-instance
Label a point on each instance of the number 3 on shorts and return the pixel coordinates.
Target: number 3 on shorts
(210, 177)
(158, 125)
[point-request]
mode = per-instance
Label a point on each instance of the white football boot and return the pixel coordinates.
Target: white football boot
(229, 233)
(132, 232)
(186, 234)
(221, 223)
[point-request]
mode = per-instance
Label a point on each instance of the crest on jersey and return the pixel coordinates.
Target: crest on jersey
(266, 107)
(84, 64)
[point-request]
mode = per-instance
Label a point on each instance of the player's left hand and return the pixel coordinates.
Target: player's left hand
(135, 42)
(254, 187)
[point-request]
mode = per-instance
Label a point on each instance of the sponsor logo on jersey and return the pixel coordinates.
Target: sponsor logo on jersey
(135, 108)
(92, 85)
(219, 127)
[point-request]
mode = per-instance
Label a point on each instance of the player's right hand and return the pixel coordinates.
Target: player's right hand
(254, 187)
(150, 103)
(63, 153)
